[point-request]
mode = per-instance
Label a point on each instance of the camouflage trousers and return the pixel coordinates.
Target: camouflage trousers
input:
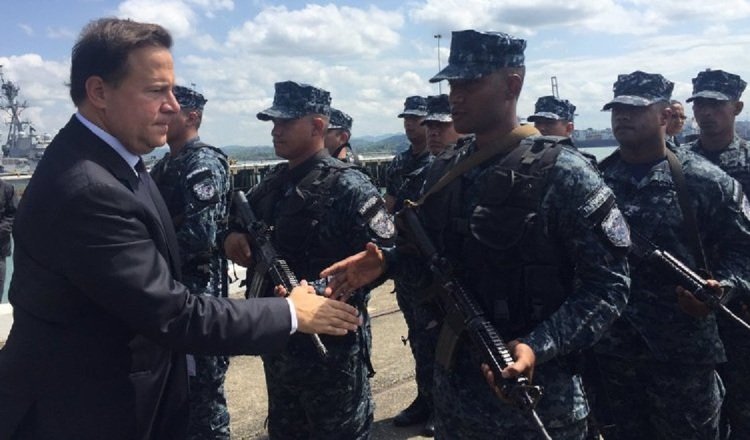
(209, 416)
(734, 373)
(657, 400)
(423, 331)
(314, 398)
(466, 408)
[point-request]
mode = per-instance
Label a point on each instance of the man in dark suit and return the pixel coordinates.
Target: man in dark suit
(8, 204)
(101, 323)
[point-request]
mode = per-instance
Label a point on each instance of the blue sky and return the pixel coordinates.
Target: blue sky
(371, 55)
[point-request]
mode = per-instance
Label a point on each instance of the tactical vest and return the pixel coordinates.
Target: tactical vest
(168, 180)
(298, 215)
(501, 251)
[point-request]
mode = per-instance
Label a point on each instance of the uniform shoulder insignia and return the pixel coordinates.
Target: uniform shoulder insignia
(202, 186)
(616, 229)
(382, 224)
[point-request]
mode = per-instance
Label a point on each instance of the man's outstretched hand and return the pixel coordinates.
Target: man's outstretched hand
(316, 314)
(354, 272)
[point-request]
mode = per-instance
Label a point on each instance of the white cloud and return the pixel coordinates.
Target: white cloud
(639, 17)
(174, 15)
(60, 33)
(42, 87)
(319, 30)
(28, 30)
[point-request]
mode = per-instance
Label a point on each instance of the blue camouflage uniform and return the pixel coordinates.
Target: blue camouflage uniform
(321, 211)
(657, 362)
(342, 121)
(403, 181)
(734, 159)
(195, 186)
(543, 253)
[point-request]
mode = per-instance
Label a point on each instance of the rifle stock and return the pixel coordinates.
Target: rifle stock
(464, 314)
(268, 261)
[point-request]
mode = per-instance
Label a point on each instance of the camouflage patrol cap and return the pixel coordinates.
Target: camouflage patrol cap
(551, 107)
(294, 100)
(640, 89)
(188, 98)
(717, 84)
(438, 109)
(339, 120)
(414, 106)
(475, 54)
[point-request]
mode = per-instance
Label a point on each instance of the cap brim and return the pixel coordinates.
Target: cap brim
(543, 115)
(637, 101)
(277, 113)
(464, 71)
(417, 113)
(710, 94)
(437, 117)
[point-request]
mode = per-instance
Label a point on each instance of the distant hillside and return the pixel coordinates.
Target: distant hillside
(367, 145)
(384, 144)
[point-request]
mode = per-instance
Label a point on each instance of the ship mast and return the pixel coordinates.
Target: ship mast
(9, 103)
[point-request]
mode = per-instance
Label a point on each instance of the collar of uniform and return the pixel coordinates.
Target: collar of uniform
(300, 171)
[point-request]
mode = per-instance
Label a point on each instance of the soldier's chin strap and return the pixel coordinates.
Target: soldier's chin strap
(505, 144)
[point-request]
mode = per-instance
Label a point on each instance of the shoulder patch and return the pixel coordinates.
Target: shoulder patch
(745, 207)
(595, 201)
(372, 201)
(382, 224)
(616, 229)
(202, 186)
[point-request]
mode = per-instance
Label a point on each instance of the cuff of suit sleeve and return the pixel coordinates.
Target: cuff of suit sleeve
(293, 314)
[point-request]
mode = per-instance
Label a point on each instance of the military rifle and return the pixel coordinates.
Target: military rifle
(465, 314)
(680, 274)
(267, 259)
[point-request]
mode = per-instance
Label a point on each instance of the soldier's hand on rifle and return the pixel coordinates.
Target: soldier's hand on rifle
(354, 272)
(316, 314)
(692, 305)
(237, 248)
(524, 363)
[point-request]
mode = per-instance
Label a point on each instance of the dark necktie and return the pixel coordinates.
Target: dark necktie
(149, 193)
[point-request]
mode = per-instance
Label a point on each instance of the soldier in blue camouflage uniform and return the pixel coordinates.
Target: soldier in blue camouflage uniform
(338, 135)
(193, 179)
(405, 174)
(716, 104)
(535, 236)
(658, 360)
(404, 179)
(321, 209)
(438, 124)
(553, 116)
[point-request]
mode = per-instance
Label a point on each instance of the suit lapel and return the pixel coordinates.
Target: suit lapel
(101, 153)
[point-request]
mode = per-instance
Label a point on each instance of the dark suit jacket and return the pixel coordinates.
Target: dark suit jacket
(100, 323)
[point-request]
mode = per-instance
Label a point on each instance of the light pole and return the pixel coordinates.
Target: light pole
(438, 37)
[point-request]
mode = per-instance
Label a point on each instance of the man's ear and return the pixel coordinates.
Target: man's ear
(319, 126)
(569, 127)
(664, 116)
(96, 91)
(515, 84)
(738, 106)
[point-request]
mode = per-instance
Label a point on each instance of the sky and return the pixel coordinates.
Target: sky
(371, 55)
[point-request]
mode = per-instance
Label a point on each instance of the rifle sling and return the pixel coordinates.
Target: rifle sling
(508, 142)
(688, 212)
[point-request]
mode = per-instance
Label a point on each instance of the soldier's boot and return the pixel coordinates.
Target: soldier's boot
(416, 413)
